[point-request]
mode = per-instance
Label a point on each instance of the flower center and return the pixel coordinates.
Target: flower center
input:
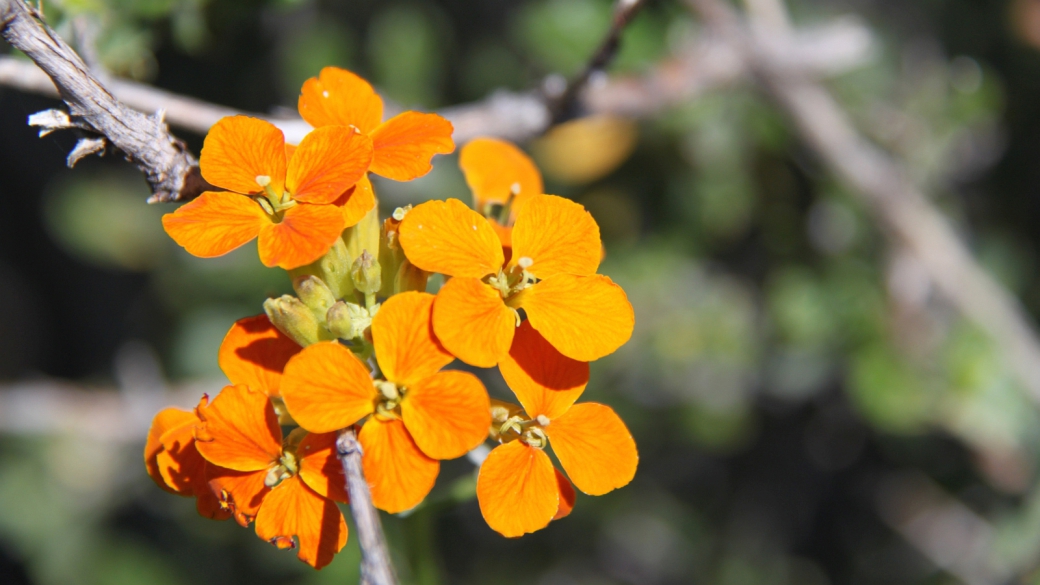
(389, 400)
(510, 284)
(283, 470)
(506, 427)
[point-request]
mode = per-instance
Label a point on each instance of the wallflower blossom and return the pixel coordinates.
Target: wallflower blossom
(254, 353)
(518, 489)
(174, 463)
(403, 144)
(502, 178)
(289, 485)
(551, 275)
(296, 200)
(417, 413)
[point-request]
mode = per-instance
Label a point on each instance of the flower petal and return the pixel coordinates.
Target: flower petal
(450, 238)
(496, 168)
(320, 467)
(238, 149)
(326, 388)
(585, 317)
(356, 202)
(215, 223)
(544, 380)
(184, 469)
(405, 144)
(293, 509)
(558, 236)
(448, 414)
(239, 430)
(305, 233)
(516, 489)
(567, 496)
(398, 473)
(338, 97)
(167, 419)
(594, 447)
(239, 492)
(402, 332)
(328, 161)
(254, 353)
(472, 322)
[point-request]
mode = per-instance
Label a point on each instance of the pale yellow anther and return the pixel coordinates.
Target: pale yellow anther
(400, 212)
(535, 437)
(542, 420)
(514, 189)
(499, 414)
(263, 180)
(387, 389)
(525, 262)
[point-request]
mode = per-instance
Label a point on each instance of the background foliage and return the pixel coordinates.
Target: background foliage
(792, 379)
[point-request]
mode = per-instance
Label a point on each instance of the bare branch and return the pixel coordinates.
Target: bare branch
(376, 566)
(172, 171)
(902, 210)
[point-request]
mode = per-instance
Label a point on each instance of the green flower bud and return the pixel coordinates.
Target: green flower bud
(366, 273)
(363, 236)
(333, 269)
(348, 320)
(315, 294)
(296, 320)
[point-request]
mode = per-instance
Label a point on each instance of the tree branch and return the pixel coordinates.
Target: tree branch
(903, 212)
(376, 566)
(172, 171)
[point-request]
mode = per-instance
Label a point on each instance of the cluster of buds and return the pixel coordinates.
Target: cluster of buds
(363, 345)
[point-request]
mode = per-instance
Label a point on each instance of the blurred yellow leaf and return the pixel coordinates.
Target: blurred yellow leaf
(586, 149)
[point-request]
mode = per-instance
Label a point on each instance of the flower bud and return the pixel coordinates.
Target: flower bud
(409, 277)
(366, 273)
(333, 269)
(315, 294)
(348, 320)
(296, 320)
(364, 235)
(390, 253)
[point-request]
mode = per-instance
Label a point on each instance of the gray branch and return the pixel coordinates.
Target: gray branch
(171, 170)
(376, 566)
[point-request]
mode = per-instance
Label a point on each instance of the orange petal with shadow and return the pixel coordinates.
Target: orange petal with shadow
(328, 161)
(517, 490)
(338, 97)
(557, 236)
(238, 149)
(472, 322)
(567, 496)
(165, 420)
(402, 332)
(594, 447)
(240, 493)
(239, 430)
(254, 352)
(215, 223)
(356, 202)
(495, 169)
(545, 381)
(293, 509)
(450, 238)
(320, 467)
(326, 388)
(405, 144)
(447, 414)
(398, 473)
(584, 317)
(305, 233)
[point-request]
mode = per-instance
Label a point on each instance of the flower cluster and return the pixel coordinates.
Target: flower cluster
(363, 346)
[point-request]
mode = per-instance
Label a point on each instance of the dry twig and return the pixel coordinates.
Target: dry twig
(376, 565)
(171, 170)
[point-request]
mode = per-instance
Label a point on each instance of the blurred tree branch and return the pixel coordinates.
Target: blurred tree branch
(764, 43)
(171, 170)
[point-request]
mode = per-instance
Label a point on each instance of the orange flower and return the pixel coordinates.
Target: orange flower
(296, 204)
(174, 463)
(403, 144)
(517, 488)
(551, 276)
(254, 353)
(419, 414)
(288, 486)
(500, 175)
